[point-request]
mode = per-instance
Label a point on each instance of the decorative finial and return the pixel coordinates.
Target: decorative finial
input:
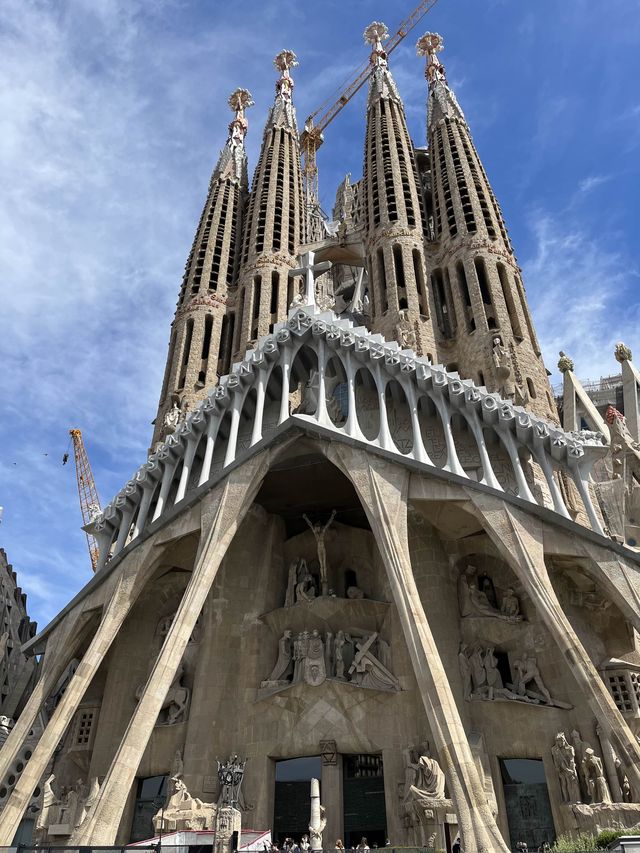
(430, 45)
(564, 362)
(285, 60)
(622, 353)
(239, 101)
(374, 35)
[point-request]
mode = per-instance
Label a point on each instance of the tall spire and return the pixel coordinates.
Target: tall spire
(273, 232)
(483, 324)
(200, 344)
(394, 217)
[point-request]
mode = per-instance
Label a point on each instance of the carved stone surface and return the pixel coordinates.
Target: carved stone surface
(183, 812)
(362, 659)
(564, 759)
(474, 601)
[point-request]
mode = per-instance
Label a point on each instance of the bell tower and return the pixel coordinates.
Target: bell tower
(394, 213)
(273, 232)
(483, 323)
(202, 329)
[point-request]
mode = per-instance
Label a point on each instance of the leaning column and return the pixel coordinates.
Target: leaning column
(519, 539)
(121, 600)
(382, 488)
(227, 508)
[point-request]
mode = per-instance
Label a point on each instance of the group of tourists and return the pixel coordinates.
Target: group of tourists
(304, 846)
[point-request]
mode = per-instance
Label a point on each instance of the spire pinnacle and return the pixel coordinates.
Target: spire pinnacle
(239, 101)
(285, 60)
(442, 102)
(374, 35)
(430, 45)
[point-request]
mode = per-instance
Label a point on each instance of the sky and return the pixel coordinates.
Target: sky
(112, 115)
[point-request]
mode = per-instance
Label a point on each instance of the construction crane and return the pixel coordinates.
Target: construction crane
(89, 500)
(312, 136)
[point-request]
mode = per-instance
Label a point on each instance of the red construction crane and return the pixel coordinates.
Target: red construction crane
(311, 137)
(89, 500)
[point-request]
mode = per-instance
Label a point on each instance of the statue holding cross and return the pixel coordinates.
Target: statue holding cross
(310, 271)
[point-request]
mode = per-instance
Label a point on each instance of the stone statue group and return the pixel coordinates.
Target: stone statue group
(581, 772)
(482, 679)
(310, 657)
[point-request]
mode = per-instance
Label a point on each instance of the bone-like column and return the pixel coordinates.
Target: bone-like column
(119, 604)
(382, 488)
(226, 508)
(54, 662)
(520, 540)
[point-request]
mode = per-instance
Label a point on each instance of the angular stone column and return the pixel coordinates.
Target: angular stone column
(382, 488)
(121, 599)
(520, 541)
(53, 665)
(222, 515)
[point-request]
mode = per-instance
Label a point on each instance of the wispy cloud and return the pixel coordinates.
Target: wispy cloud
(581, 291)
(592, 181)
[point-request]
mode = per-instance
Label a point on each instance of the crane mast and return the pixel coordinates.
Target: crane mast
(312, 136)
(89, 500)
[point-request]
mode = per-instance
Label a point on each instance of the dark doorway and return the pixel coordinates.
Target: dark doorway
(527, 800)
(365, 813)
(152, 793)
(292, 800)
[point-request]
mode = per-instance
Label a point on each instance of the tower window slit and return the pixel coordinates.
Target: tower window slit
(382, 278)
(483, 282)
(264, 197)
(402, 161)
(240, 319)
(392, 207)
(527, 315)
(466, 296)
(257, 292)
(400, 278)
(532, 389)
(206, 339)
(206, 346)
(446, 189)
(451, 310)
(275, 282)
(186, 353)
(294, 203)
(418, 271)
(509, 301)
(440, 300)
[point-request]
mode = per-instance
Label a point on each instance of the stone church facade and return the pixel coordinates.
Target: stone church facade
(362, 549)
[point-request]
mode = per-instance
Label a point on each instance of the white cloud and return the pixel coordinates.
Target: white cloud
(591, 182)
(581, 291)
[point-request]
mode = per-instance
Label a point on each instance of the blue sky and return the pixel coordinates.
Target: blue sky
(112, 114)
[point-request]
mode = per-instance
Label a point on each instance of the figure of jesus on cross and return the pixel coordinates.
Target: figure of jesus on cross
(319, 531)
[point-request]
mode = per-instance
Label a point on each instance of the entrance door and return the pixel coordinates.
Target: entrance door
(365, 813)
(527, 800)
(293, 797)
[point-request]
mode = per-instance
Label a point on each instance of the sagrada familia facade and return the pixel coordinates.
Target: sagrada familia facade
(362, 550)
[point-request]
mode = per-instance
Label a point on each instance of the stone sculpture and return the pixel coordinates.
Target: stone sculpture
(622, 353)
(423, 796)
(306, 588)
(474, 601)
(183, 812)
(481, 678)
(230, 776)
(594, 774)
(176, 702)
(172, 419)
(283, 669)
(564, 759)
(318, 820)
(292, 578)
(564, 362)
(510, 605)
(320, 532)
(405, 333)
(310, 657)
(314, 662)
(61, 815)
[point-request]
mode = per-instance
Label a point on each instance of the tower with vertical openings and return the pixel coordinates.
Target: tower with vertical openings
(482, 320)
(394, 220)
(202, 330)
(273, 233)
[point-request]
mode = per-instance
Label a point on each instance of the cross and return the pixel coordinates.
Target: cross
(310, 270)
